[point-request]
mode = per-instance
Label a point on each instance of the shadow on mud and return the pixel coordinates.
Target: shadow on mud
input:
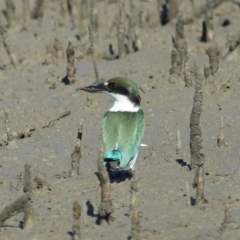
(184, 164)
(118, 176)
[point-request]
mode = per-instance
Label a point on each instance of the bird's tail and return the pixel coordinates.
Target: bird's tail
(113, 155)
(113, 158)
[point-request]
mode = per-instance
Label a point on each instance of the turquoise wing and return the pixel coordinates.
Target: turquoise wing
(122, 135)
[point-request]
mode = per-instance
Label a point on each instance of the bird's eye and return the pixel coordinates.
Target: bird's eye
(112, 85)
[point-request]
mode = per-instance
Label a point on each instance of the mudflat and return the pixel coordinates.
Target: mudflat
(44, 114)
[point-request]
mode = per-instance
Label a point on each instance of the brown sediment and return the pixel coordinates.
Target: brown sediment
(105, 209)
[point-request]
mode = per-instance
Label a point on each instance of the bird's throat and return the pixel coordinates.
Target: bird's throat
(123, 104)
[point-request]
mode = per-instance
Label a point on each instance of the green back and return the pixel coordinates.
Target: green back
(127, 130)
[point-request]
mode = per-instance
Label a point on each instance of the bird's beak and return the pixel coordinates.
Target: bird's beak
(95, 88)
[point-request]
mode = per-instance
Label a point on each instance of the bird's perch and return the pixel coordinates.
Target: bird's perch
(197, 158)
(105, 209)
(135, 218)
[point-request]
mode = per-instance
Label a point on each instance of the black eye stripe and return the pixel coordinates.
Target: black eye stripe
(112, 85)
(115, 88)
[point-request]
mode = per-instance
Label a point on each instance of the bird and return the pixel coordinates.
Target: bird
(123, 125)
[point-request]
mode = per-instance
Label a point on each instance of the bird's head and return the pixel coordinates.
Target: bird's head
(118, 88)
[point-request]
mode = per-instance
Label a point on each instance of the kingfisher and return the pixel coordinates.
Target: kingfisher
(123, 124)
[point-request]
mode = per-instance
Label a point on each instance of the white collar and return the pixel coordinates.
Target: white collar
(122, 104)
